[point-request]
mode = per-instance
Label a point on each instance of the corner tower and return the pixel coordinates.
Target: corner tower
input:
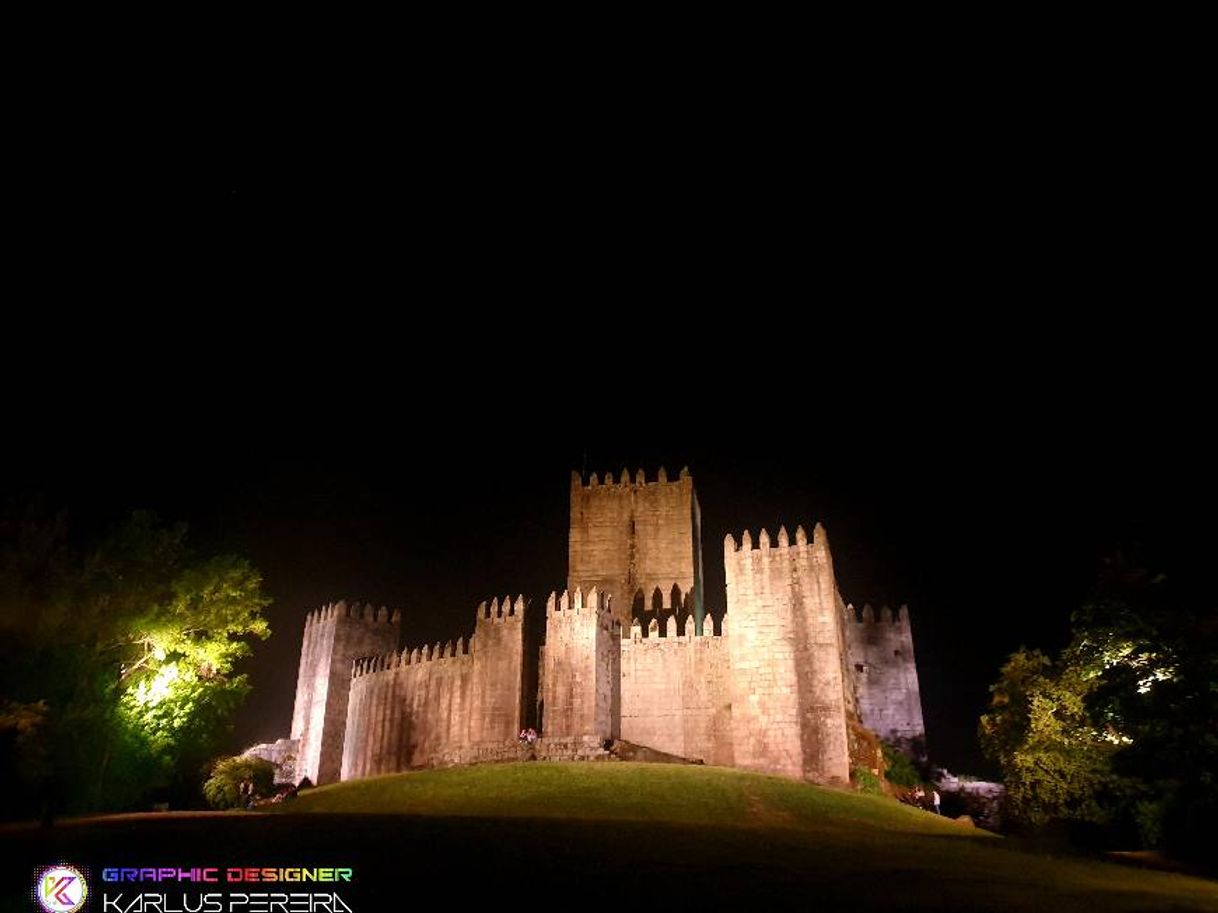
(886, 677)
(334, 636)
(630, 535)
(790, 697)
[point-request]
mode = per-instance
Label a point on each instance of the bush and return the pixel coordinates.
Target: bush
(223, 787)
(900, 770)
(867, 782)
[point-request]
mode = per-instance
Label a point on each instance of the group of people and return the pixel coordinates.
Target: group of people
(919, 798)
(527, 736)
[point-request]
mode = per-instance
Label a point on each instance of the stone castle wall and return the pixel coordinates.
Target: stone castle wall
(630, 535)
(881, 653)
(581, 676)
(789, 697)
(421, 707)
(676, 690)
(334, 636)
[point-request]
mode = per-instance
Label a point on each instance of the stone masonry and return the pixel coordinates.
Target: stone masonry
(409, 708)
(778, 684)
(334, 636)
(791, 705)
(886, 678)
(633, 536)
(581, 693)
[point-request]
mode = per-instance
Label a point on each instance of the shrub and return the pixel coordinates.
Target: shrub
(900, 770)
(867, 782)
(223, 787)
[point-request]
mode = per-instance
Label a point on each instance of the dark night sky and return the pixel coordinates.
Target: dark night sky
(382, 399)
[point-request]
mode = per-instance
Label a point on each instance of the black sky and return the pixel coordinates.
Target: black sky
(377, 390)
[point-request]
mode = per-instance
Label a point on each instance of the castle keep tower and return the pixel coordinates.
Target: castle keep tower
(790, 696)
(630, 536)
(334, 636)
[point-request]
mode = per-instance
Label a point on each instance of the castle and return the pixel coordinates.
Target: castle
(790, 680)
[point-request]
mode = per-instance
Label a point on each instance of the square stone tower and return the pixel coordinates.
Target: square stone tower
(629, 536)
(582, 677)
(886, 677)
(791, 699)
(334, 636)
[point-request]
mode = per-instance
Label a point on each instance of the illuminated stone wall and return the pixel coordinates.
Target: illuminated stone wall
(676, 690)
(334, 636)
(886, 677)
(581, 678)
(421, 707)
(785, 638)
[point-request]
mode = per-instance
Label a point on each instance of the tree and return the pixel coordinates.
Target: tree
(1056, 763)
(1120, 727)
(1155, 655)
(130, 648)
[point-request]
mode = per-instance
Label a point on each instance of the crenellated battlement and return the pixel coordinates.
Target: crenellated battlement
(656, 607)
(343, 609)
(635, 631)
(575, 601)
(781, 541)
(397, 659)
(624, 479)
(497, 612)
(886, 617)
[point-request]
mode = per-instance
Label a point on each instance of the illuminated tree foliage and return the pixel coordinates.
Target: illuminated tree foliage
(1056, 762)
(1122, 727)
(119, 661)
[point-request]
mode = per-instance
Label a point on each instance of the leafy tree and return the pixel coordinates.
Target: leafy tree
(1121, 726)
(1056, 763)
(126, 652)
(1155, 652)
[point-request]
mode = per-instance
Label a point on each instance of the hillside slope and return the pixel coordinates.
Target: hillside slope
(726, 833)
(614, 836)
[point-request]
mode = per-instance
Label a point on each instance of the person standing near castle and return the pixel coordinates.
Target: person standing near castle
(936, 797)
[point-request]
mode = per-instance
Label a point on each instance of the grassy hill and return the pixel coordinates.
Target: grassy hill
(623, 837)
(672, 793)
(717, 833)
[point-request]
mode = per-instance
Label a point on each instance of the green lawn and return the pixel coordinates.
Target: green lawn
(623, 791)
